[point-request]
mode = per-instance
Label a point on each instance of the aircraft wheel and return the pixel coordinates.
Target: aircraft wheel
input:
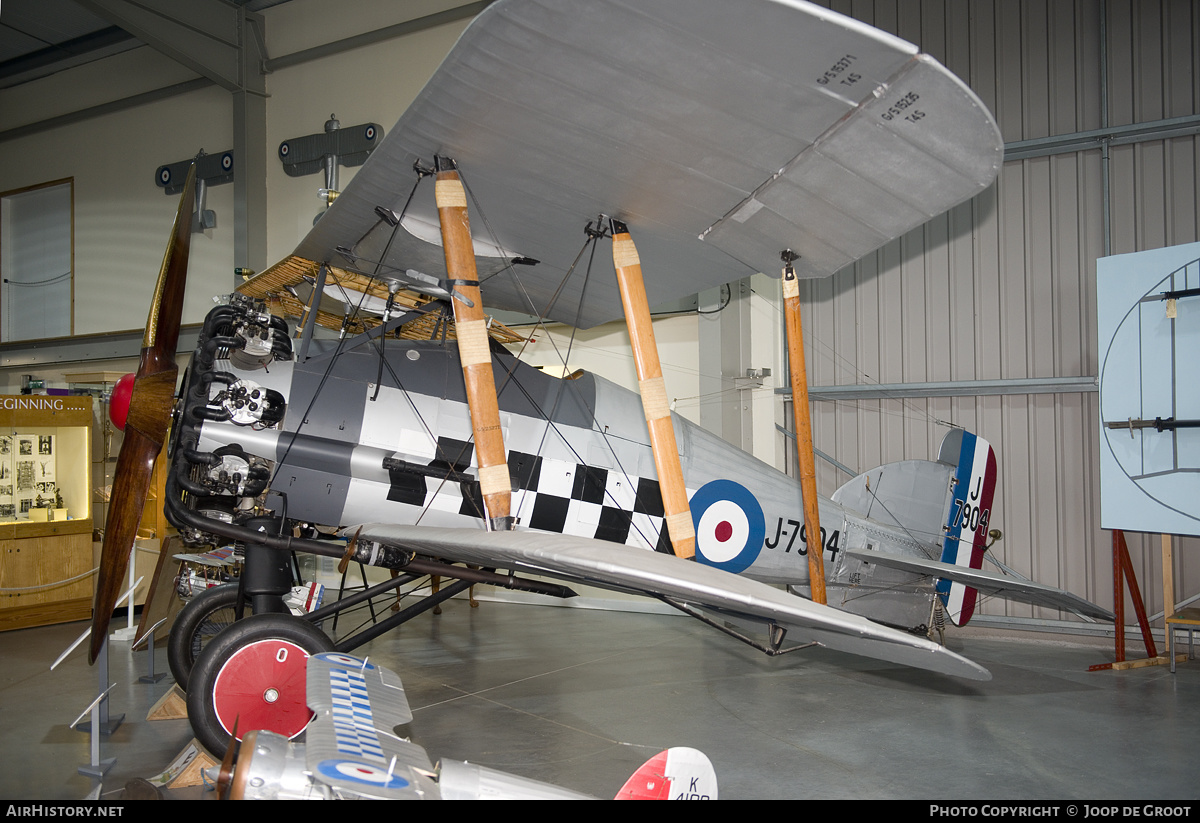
(253, 674)
(203, 618)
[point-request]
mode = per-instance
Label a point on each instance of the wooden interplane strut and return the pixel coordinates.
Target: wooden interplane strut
(806, 461)
(654, 393)
(473, 349)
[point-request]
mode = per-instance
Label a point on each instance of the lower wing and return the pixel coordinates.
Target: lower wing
(667, 577)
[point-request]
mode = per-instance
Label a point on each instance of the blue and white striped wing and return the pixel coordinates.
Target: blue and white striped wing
(351, 746)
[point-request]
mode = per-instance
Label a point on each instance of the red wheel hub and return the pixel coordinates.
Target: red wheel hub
(262, 686)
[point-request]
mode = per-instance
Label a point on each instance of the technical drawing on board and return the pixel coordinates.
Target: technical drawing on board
(1148, 306)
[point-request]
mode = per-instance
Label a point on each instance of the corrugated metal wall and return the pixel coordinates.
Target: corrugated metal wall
(1003, 287)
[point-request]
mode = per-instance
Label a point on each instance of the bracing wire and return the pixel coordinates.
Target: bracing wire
(592, 237)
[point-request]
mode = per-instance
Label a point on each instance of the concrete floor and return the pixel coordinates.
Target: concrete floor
(582, 697)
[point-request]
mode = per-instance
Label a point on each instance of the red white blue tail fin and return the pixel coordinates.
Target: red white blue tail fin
(676, 774)
(971, 491)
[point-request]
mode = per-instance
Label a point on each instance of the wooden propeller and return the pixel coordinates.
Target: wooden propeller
(149, 417)
(225, 775)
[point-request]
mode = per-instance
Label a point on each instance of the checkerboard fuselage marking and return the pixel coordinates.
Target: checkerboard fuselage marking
(549, 495)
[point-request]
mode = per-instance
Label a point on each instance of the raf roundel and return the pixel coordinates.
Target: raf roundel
(356, 771)
(729, 525)
(346, 661)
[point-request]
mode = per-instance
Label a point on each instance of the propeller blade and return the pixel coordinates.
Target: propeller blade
(149, 417)
(225, 775)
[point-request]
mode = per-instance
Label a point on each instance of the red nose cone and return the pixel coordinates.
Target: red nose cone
(118, 406)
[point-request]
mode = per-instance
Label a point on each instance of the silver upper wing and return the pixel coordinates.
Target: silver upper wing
(722, 133)
(1010, 588)
(637, 570)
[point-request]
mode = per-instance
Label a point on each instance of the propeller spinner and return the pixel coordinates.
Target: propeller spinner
(150, 405)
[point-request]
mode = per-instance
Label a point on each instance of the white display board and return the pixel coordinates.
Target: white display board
(1149, 381)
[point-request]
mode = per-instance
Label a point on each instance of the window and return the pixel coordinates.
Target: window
(37, 257)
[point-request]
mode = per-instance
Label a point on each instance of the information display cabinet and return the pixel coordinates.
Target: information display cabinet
(45, 509)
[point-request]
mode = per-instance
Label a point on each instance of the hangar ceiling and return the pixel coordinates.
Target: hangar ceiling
(41, 37)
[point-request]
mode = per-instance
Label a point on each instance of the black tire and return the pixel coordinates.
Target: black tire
(205, 616)
(250, 675)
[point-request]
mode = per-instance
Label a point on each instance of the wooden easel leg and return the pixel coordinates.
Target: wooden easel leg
(1118, 539)
(1168, 578)
(1135, 594)
(1123, 570)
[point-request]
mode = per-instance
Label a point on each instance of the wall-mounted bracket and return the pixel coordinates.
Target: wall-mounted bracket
(211, 170)
(327, 150)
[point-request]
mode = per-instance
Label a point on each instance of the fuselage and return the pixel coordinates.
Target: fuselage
(365, 444)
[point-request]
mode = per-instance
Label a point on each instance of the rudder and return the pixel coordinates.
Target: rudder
(971, 491)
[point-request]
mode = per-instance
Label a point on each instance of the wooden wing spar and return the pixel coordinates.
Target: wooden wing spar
(352, 301)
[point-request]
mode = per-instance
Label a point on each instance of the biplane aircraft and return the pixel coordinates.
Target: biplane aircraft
(351, 752)
(699, 142)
